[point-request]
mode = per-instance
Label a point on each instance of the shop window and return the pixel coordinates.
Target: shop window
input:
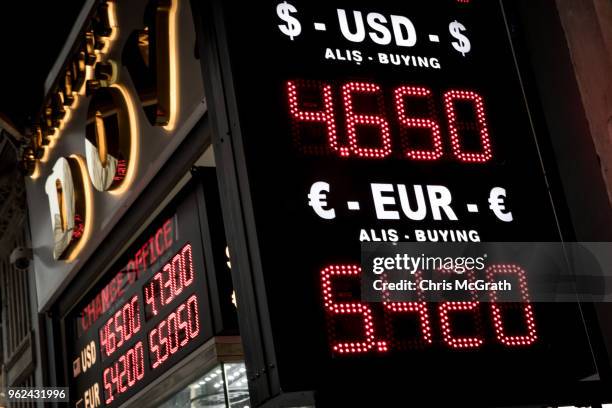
(225, 386)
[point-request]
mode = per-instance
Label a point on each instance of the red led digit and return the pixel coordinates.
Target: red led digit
(353, 119)
(154, 348)
(123, 371)
(445, 308)
(183, 318)
(131, 378)
(178, 267)
(325, 116)
(128, 319)
(110, 337)
(419, 308)
(187, 271)
(131, 318)
(455, 125)
(127, 323)
(119, 328)
(115, 377)
(135, 312)
(173, 341)
(168, 288)
(111, 388)
(108, 387)
(192, 316)
(151, 295)
(139, 361)
(163, 340)
(334, 308)
(103, 340)
(497, 308)
(158, 299)
(400, 94)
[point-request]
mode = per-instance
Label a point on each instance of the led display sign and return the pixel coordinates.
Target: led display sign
(154, 307)
(362, 121)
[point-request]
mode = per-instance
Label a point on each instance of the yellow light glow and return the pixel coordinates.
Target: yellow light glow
(88, 209)
(46, 152)
(76, 100)
(53, 140)
(47, 149)
(112, 14)
(89, 74)
(101, 138)
(134, 149)
(36, 173)
(173, 49)
(112, 20)
(67, 116)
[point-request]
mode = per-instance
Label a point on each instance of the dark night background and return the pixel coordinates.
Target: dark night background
(32, 34)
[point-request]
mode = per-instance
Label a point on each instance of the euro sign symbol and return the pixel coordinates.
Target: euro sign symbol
(317, 199)
(292, 28)
(463, 45)
(497, 205)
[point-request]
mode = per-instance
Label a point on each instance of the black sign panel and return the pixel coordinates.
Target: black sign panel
(365, 121)
(160, 302)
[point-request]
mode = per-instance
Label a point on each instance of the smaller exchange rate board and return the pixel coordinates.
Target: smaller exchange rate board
(146, 314)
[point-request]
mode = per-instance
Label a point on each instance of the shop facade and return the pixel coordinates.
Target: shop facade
(132, 267)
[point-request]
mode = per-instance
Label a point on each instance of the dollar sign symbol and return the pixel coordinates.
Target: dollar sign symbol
(293, 27)
(463, 45)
